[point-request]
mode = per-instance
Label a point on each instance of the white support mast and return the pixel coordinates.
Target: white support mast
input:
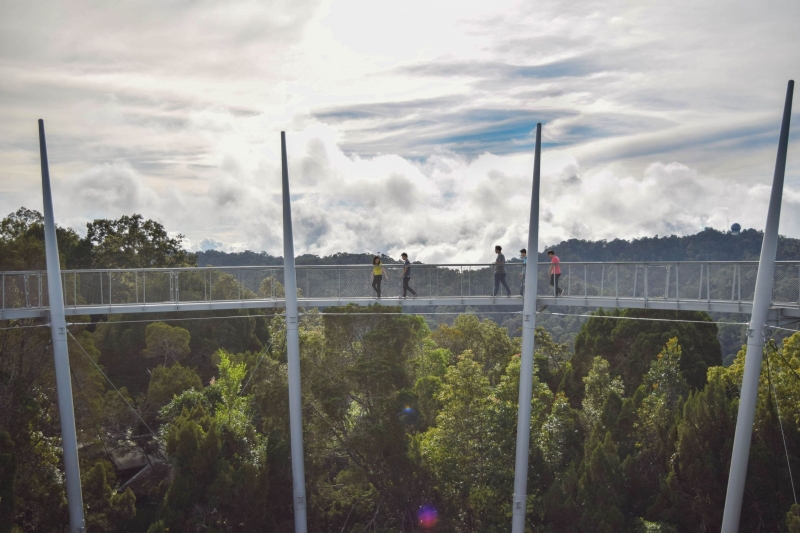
(526, 356)
(58, 329)
(755, 334)
(293, 354)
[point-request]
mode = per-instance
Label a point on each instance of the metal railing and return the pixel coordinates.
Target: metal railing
(679, 281)
(713, 281)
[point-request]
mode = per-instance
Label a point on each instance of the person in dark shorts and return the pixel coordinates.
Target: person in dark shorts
(377, 274)
(524, 255)
(555, 272)
(407, 275)
(500, 272)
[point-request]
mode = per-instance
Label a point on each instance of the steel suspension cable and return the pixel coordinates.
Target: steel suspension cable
(783, 434)
(99, 369)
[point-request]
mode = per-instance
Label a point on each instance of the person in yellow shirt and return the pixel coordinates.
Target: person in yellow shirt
(377, 274)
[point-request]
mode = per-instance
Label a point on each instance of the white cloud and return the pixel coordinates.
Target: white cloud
(405, 133)
(210, 243)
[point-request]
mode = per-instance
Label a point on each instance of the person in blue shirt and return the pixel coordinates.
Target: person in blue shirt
(524, 255)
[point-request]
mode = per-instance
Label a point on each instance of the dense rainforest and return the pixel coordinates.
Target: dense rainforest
(409, 424)
(708, 245)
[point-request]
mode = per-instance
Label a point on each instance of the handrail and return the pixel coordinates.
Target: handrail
(388, 265)
(651, 282)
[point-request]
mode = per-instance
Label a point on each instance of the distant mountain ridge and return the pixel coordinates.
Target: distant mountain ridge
(708, 245)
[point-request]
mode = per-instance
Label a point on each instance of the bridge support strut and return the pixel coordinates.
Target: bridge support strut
(755, 334)
(293, 354)
(526, 368)
(58, 330)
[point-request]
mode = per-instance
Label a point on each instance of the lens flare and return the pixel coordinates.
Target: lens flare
(427, 517)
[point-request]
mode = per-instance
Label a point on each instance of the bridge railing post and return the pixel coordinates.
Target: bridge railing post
(585, 293)
(739, 282)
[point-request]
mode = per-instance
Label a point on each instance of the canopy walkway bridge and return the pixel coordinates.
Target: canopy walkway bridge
(711, 286)
(768, 290)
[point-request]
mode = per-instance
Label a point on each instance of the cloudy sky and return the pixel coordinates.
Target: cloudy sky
(410, 124)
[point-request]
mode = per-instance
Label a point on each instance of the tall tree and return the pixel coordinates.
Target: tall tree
(133, 242)
(630, 344)
(22, 243)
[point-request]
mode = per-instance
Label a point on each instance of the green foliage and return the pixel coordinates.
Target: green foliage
(631, 345)
(558, 439)
(167, 382)
(132, 242)
(600, 489)
(665, 378)
(654, 426)
(8, 472)
(474, 431)
(598, 385)
(793, 519)
(631, 432)
(695, 485)
(158, 527)
(358, 375)
(708, 245)
(219, 459)
(165, 343)
(654, 527)
(105, 508)
(489, 343)
(22, 243)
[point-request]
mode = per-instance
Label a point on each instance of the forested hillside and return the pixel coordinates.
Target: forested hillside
(408, 426)
(708, 245)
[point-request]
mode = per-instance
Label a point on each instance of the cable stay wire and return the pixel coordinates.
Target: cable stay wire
(148, 320)
(783, 358)
(99, 369)
(91, 415)
(783, 329)
(423, 313)
(783, 434)
(255, 367)
(648, 319)
(26, 327)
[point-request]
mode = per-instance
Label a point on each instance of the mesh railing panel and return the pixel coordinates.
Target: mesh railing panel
(711, 281)
(786, 283)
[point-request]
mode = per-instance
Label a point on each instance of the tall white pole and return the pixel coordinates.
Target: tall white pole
(755, 334)
(293, 353)
(526, 368)
(58, 330)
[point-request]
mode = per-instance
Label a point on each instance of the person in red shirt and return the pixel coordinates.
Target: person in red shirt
(555, 272)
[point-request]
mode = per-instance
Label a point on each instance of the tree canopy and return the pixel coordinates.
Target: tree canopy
(409, 424)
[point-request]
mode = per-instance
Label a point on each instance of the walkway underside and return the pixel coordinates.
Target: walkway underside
(778, 315)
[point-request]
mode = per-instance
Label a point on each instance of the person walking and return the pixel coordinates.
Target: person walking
(377, 274)
(524, 255)
(500, 272)
(555, 272)
(407, 275)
